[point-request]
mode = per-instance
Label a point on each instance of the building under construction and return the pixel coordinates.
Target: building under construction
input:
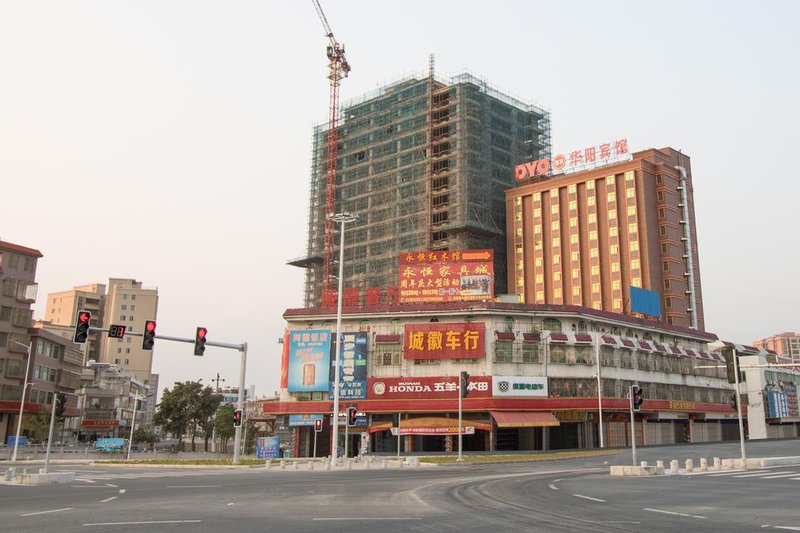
(425, 164)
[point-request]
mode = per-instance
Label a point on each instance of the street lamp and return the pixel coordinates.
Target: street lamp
(341, 218)
(29, 346)
(136, 399)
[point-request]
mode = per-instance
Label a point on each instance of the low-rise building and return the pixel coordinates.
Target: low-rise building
(108, 399)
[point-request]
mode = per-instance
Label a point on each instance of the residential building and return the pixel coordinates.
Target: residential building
(587, 238)
(17, 277)
(424, 162)
(108, 397)
(62, 308)
(786, 345)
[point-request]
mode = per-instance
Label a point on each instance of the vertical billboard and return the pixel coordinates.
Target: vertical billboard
(309, 360)
(446, 276)
(352, 367)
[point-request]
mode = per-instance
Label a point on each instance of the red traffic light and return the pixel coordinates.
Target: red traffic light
(318, 424)
(150, 325)
(201, 333)
(84, 316)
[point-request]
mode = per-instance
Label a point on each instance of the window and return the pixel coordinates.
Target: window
(388, 357)
(133, 296)
(122, 318)
(662, 230)
(503, 351)
(667, 284)
(530, 352)
(426, 362)
(127, 361)
(665, 266)
(124, 307)
(558, 354)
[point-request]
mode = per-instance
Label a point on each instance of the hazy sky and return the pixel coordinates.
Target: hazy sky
(170, 141)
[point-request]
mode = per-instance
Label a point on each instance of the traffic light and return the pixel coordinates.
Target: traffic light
(200, 341)
(61, 404)
(733, 402)
(318, 425)
(82, 326)
(352, 413)
(149, 335)
(730, 371)
(636, 398)
(464, 383)
(237, 418)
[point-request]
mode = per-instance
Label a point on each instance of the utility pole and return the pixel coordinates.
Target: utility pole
(214, 427)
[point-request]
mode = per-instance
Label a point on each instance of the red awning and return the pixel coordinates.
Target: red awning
(558, 337)
(659, 347)
(609, 340)
(507, 336)
(583, 337)
(690, 352)
(531, 337)
(431, 423)
(675, 350)
(627, 343)
(524, 419)
(644, 345)
(387, 339)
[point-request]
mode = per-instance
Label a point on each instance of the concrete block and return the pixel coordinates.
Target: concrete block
(689, 465)
(673, 466)
(383, 464)
(267, 464)
(311, 465)
(660, 464)
(295, 465)
(703, 464)
(283, 465)
(717, 463)
(727, 464)
(643, 463)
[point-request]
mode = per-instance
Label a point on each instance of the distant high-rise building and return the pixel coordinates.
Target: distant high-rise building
(425, 164)
(125, 302)
(584, 239)
(786, 344)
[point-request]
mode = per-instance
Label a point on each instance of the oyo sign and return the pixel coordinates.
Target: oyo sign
(591, 157)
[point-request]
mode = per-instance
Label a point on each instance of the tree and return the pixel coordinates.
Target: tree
(223, 424)
(185, 408)
(145, 434)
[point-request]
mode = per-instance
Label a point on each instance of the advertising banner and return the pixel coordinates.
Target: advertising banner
(426, 388)
(446, 276)
(352, 368)
(439, 340)
(268, 447)
(519, 386)
(309, 360)
(304, 420)
(451, 430)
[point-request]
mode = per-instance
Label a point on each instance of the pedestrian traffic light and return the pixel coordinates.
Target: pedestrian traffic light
(636, 398)
(149, 335)
(61, 404)
(318, 425)
(200, 341)
(82, 326)
(464, 384)
(237, 418)
(352, 413)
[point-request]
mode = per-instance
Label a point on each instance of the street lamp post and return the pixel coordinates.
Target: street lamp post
(29, 346)
(341, 218)
(136, 399)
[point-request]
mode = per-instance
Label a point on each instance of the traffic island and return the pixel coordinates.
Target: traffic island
(637, 470)
(27, 478)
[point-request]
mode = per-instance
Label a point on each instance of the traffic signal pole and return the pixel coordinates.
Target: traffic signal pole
(633, 428)
(50, 434)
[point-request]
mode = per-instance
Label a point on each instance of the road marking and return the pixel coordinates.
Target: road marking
(766, 473)
(783, 527)
(47, 512)
(588, 498)
(365, 518)
(109, 499)
(553, 486)
(193, 486)
(85, 480)
(230, 503)
(673, 513)
(781, 475)
(111, 485)
(558, 480)
(143, 523)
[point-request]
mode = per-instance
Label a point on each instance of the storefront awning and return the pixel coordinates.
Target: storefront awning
(433, 422)
(524, 419)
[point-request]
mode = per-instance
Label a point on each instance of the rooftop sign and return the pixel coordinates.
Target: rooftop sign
(577, 160)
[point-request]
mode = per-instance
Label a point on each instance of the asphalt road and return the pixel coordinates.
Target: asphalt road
(565, 495)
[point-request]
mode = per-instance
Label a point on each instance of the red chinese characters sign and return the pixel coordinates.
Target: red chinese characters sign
(445, 341)
(445, 276)
(426, 388)
(100, 423)
(593, 156)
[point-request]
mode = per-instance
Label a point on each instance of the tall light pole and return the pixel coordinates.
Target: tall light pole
(599, 386)
(29, 346)
(739, 407)
(341, 218)
(136, 399)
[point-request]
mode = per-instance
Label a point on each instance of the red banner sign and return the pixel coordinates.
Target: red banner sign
(445, 276)
(445, 387)
(100, 423)
(437, 340)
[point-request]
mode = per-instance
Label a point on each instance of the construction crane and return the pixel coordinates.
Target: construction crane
(338, 68)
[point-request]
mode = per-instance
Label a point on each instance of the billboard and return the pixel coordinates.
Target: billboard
(645, 302)
(444, 387)
(268, 447)
(440, 340)
(519, 386)
(304, 420)
(446, 276)
(309, 360)
(352, 367)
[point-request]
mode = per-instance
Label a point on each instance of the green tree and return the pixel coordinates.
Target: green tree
(223, 424)
(145, 434)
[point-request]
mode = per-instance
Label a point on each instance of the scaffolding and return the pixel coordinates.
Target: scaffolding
(425, 162)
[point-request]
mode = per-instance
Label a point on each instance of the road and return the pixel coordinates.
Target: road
(564, 495)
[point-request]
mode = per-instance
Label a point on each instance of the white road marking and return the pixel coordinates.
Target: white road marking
(553, 486)
(365, 518)
(554, 481)
(673, 513)
(47, 512)
(91, 480)
(230, 503)
(143, 523)
(109, 499)
(111, 485)
(193, 486)
(588, 498)
(781, 475)
(790, 528)
(766, 473)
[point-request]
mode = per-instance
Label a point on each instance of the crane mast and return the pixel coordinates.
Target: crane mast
(338, 68)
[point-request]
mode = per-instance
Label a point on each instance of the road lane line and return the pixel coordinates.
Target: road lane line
(111, 485)
(781, 475)
(363, 518)
(674, 513)
(193, 486)
(109, 499)
(588, 498)
(790, 528)
(48, 512)
(766, 473)
(142, 523)
(552, 486)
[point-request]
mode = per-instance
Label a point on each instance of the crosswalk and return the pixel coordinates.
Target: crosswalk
(764, 473)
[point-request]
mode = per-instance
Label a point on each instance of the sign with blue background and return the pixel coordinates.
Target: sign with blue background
(352, 367)
(309, 360)
(268, 447)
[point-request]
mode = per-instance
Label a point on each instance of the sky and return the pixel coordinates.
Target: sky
(170, 141)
